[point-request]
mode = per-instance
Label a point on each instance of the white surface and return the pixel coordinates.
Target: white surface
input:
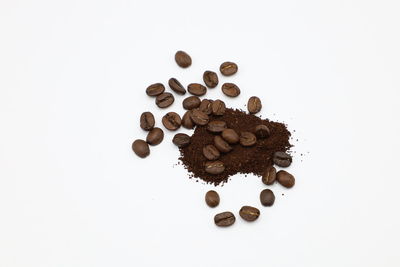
(72, 82)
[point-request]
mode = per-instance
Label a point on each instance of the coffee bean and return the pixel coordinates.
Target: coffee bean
(176, 86)
(262, 131)
(210, 78)
(216, 126)
(164, 100)
(218, 107)
(267, 197)
(197, 89)
(147, 121)
(199, 117)
(254, 105)
(269, 175)
(230, 136)
(221, 145)
(181, 140)
(282, 159)
(212, 198)
(191, 102)
(285, 179)
(214, 167)
(249, 213)
(183, 59)
(141, 148)
(155, 89)
(187, 121)
(228, 68)
(224, 219)
(171, 121)
(247, 139)
(211, 152)
(230, 89)
(206, 106)
(155, 136)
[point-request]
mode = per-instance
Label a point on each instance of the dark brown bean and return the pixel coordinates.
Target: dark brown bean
(187, 121)
(218, 107)
(199, 117)
(221, 145)
(147, 121)
(269, 175)
(171, 121)
(267, 197)
(176, 86)
(211, 152)
(285, 179)
(206, 106)
(247, 139)
(191, 102)
(224, 219)
(197, 89)
(181, 140)
(214, 167)
(254, 105)
(141, 148)
(262, 131)
(282, 159)
(249, 213)
(183, 59)
(164, 100)
(228, 68)
(212, 198)
(155, 89)
(216, 126)
(230, 89)
(210, 78)
(230, 136)
(155, 136)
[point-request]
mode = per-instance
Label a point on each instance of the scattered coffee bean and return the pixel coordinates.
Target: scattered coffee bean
(230, 136)
(212, 198)
(224, 219)
(282, 159)
(211, 152)
(197, 89)
(249, 213)
(210, 78)
(183, 59)
(164, 100)
(254, 105)
(155, 89)
(155, 136)
(206, 106)
(230, 89)
(199, 117)
(191, 102)
(285, 179)
(171, 121)
(141, 148)
(214, 167)
(262, 131)
(269, 175)
(176, 86)
(181, 140)
(216, 126)
(267, 197)
(147, 121)
(221, 145)
(228, 68)
(187, 121)
(247, 139)
(218, 107)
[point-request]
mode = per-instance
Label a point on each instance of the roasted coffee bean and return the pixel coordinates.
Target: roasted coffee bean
(285, 179)
(187, 121)
(199, 117)
(176, 86)
(221, 145)
(197, 89)
(228, 68)
(181, 140)
(206, 106)
(230, 136)
(262, 131)
(183, 59)
(214, 167)
(282, 159)
(218, 107)
(147, 121)
(247, 139)
(249, 213)
(211, 152)
(164, 100)
(216, 126)
(155, 89)
(171, 121)
(224, 219)
(210, 78)
(269, 175)
(267, 197)
(191, 102)
(141, 148)
(155, 136)
(212, 198)
(254, 105)
(230, 89)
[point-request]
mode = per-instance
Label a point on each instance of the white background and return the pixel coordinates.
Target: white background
(72, 86)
